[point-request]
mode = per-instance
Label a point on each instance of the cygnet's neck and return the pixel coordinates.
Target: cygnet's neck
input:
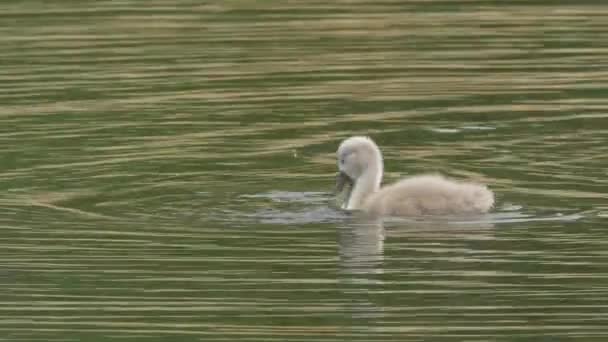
(368, 183)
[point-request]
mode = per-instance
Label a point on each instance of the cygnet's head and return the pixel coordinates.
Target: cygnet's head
(358, 156)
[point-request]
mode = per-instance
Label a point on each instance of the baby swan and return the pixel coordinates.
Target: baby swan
(360, 165)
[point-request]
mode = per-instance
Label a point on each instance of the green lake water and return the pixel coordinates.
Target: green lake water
(167, 170)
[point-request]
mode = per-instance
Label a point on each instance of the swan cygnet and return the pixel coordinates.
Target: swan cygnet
(361, 167)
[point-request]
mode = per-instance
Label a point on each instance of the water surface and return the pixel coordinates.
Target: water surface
(167, 170)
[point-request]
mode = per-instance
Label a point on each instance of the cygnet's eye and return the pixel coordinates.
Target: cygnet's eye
(342, 161)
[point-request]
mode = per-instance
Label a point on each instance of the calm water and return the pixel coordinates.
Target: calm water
(167, 168)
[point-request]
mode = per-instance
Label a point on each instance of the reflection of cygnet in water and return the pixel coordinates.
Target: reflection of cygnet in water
(362, 247)
(360, 165)
(362, 240)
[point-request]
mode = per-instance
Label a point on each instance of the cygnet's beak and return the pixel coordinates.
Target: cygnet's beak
(341, 180)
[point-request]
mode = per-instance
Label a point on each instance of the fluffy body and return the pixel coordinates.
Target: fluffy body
(429, 195)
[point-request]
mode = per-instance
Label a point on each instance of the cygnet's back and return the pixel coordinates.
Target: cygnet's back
(429, 195)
